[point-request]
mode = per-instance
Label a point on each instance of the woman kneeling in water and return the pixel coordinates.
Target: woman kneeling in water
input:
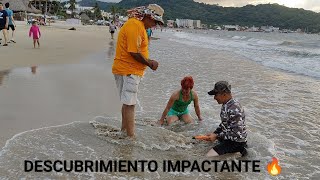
(177, 107)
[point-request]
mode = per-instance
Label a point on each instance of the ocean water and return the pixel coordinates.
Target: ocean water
(274, 76)
(293, 52)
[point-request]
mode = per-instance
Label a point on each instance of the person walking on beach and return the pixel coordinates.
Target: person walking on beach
(11, 23)
(149, 33)
(4, 20)
(177, 106)
(36, 34)
(112, 29)
(132, 58)
(231, 133)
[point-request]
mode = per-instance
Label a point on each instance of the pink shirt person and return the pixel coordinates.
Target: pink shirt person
(35, 31)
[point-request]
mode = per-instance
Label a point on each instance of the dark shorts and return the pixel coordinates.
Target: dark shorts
(1, 27)
(12, 27)
(111, 32)
(228, 146)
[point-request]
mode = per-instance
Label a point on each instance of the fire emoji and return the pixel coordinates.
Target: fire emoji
(273, 167)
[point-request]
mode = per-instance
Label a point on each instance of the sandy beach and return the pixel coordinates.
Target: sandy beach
(59, 47)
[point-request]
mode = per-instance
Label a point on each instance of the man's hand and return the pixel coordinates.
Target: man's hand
(212, 136)
(153, 64)
(6, 26)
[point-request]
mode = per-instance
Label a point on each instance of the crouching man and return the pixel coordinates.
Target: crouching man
(231, 133)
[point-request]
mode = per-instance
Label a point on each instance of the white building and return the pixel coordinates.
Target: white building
(170, 23)
(269, 29)
(197, 24)
(232, 27)
(188, 23)
(79, 8)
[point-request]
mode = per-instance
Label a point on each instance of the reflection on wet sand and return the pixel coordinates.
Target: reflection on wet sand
(3, 74)
(111, 49)
(34, 69)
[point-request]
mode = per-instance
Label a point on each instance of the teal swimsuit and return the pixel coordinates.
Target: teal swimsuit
(180, 107)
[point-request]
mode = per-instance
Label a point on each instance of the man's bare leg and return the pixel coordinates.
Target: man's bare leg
(4, 31)
(12, 37)
(124, 122)
(129, 119)
(212, 153)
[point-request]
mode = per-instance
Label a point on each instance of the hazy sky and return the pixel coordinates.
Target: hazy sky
(313, 5)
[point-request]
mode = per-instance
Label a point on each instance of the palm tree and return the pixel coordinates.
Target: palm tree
(97, 11)
(72, 6)
(113, 12)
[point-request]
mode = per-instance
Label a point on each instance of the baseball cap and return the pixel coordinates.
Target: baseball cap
(219, 87)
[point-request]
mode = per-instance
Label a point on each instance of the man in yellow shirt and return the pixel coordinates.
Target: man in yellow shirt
(132, 58)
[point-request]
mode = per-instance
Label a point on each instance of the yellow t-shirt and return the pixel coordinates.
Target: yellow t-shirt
(132, 38)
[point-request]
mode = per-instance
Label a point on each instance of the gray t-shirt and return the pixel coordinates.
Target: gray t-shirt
(112, 28)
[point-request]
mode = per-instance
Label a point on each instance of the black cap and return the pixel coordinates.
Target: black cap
(221, 86)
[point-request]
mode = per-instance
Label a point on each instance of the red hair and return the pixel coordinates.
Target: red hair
(187, 82)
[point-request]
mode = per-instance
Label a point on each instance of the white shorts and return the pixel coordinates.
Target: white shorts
(128, 88)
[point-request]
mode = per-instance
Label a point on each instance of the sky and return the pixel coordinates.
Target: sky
(313, 5)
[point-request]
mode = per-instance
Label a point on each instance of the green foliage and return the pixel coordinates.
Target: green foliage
(97, 12)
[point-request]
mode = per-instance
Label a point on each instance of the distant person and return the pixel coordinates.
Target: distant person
(29, 20)
(36, 34)
(177, 106)
(132, 58)
(44, 19)
(11, 23)
(4, 22)
(112, 29)
(231, 133)
(149, 33)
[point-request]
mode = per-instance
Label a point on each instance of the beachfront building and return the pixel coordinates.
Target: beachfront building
(170, 23)
(184, 23)
(105, 14)
(269, 29)
(197, 24)
(253, 29)
(232, 27)
(46, 6)
(83, 8)
(78, 9)
(188, 23)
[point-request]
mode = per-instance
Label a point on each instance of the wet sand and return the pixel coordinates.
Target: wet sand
(62, 88)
